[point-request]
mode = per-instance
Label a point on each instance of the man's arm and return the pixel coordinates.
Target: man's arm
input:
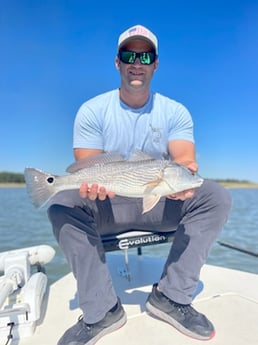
(183, 152)
(83, 153)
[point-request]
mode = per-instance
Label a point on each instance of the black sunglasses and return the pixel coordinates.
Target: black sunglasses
(129, 57)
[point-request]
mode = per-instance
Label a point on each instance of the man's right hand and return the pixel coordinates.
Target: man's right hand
(94, 191)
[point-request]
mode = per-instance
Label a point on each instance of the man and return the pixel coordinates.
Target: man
(123, 120)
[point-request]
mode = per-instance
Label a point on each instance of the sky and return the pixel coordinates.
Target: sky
(56, 54)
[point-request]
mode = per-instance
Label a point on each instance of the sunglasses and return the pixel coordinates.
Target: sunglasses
(129, 57)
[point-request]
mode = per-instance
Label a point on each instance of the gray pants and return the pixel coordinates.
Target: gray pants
(78, 223)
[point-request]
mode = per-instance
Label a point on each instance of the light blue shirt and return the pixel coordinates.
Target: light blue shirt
(105, 122)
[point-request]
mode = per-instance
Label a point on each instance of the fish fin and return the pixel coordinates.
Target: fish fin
(98, 159)
(138, 155)
(149, 201)
(38, 188)
(152, 184)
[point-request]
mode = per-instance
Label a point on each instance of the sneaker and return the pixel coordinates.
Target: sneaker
(82, 333)
(183, 317)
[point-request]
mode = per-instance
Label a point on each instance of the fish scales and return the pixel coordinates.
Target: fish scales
(126, 178)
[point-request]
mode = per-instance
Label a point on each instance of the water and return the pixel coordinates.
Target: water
(21, 225)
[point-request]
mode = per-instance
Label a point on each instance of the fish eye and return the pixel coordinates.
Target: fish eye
(50, 179)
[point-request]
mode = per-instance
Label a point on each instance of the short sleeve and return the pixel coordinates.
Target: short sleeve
(181, 124)
(87, 132)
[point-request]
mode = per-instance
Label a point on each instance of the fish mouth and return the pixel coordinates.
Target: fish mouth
(196, 184)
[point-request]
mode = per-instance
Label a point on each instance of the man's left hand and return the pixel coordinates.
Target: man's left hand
(186, 194)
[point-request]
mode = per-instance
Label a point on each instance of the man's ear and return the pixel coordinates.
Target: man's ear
(156, 65)
(117, 63)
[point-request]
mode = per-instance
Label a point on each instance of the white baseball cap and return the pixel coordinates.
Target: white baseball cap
(140, 32)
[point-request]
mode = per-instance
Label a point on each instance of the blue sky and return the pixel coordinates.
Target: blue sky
(57, 54)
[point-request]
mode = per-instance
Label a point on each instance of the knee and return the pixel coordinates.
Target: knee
(219, 196)
(54, 212)
(56, 215)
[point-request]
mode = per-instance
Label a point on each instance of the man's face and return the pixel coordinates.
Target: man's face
(136, 75)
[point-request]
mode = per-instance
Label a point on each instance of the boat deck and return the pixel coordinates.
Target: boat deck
(229, 298)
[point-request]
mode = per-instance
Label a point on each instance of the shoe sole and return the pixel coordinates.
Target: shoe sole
(165, 317)
(115, 326)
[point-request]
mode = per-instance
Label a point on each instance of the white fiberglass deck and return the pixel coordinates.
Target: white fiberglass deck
(229, 298)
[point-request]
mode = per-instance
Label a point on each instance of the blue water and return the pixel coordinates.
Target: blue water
(21, 225)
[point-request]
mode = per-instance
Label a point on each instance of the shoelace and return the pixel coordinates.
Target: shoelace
(184, 308)
(86, 326)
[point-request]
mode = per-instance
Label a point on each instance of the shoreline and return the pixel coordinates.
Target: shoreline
(239, 185)
(12, 185)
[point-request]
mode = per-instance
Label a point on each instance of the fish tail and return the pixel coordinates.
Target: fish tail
(39, 189)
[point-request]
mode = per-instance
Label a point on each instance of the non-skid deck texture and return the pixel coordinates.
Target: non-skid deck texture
(229, 299)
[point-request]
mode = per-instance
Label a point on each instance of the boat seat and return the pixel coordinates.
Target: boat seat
(135, 239)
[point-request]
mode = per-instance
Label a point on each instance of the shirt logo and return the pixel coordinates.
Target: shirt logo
(156, 134)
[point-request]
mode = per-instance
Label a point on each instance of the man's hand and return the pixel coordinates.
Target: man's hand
(186, 194)
(95, 192)
(193, 167)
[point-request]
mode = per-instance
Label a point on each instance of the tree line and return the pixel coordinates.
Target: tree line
(10, 177)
